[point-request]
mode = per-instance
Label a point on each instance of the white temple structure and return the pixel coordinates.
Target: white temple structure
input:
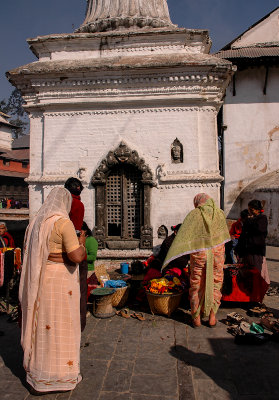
(127, 103)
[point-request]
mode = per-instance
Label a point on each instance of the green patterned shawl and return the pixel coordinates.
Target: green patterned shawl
(203, 228)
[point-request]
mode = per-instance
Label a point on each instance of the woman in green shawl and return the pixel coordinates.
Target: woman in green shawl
(203, 235)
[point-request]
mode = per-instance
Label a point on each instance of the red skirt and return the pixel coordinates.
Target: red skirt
(247, 287)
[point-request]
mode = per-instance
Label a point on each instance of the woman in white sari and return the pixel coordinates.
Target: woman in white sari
(49, 294)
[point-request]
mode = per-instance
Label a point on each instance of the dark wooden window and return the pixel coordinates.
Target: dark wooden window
(124, 202)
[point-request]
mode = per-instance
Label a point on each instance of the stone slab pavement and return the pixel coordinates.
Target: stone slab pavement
(158, 359)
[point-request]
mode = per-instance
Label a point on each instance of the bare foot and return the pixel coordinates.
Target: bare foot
(197, 322)
(212, 319)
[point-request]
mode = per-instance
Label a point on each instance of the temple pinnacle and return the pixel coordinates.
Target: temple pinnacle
(107, 15)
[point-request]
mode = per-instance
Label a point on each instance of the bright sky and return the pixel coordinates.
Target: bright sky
(22, 19)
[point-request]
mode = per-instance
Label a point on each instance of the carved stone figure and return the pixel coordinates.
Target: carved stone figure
(162, 232)
(176, 152)
(106, 15)
(82, 173)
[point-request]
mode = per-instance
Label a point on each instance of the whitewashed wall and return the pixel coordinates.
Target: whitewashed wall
(252, 135)
(64, 142)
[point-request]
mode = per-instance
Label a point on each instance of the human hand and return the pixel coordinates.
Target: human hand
(82, 239)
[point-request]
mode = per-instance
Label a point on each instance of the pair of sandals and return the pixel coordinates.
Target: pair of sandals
(258, 311)
(273, 291)
(248, 334)
(270, 323)
(125, 313)
(235, 319)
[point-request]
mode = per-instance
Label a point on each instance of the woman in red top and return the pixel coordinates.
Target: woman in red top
(5, 236)
(235, 233)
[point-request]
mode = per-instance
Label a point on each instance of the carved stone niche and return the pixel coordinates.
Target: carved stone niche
(162, 232)
(176, 152)
(122, 155)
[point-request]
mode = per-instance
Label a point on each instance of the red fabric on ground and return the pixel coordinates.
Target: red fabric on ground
(241, 293)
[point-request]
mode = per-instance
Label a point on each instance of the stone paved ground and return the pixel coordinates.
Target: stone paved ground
(158, 359)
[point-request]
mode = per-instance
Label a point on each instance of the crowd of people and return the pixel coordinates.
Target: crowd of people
(12, 203)
(6, 239)
(59, 250)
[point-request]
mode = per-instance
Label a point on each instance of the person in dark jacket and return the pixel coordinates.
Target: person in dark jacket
(251, 246)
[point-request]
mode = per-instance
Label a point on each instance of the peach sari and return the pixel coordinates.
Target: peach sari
(49, 295)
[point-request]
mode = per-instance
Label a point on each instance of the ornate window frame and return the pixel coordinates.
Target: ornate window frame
(120, 156)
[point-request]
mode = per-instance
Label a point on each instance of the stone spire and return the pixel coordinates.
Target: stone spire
(107, 15)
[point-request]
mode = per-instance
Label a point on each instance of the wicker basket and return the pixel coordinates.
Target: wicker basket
(120, 296)
(164, 304)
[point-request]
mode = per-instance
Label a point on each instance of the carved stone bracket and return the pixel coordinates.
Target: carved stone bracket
(146, 237)
(99, 235)
(122, 155)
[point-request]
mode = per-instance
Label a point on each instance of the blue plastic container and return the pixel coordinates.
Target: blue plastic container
(124, 268)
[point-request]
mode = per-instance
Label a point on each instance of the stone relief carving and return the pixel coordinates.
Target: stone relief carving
(122, 155)
(106, 15)
(162, 232)
(176, 152)
(146, 237)
(82, 173)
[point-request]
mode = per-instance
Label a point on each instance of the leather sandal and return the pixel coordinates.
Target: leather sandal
(272, 324)
(125, 313)
(138, 316)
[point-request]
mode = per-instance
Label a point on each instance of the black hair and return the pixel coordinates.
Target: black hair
(175, 227)
(72, 184)
(244, 213)
(256, 204)
(86, 229)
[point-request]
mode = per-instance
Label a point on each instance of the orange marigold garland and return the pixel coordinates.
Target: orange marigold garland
(164, 286)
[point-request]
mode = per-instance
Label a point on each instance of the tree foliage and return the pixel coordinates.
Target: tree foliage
(14, 108)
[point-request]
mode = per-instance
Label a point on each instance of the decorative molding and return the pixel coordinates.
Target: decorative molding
(104, 253)
(122, 155)
(130, 111)
(52, 178)
(189, 185)
(190, 49)
(205, 176)
(193, 90)
(158, 79)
